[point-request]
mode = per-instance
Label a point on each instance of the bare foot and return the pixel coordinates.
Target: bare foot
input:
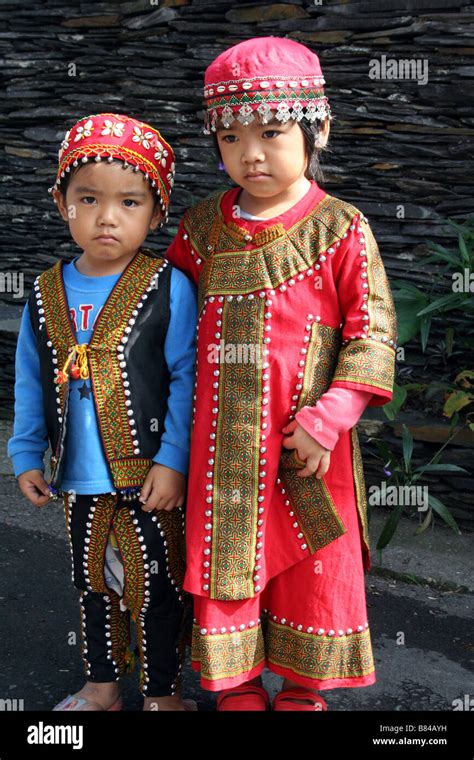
(104, 694)
(174, 703)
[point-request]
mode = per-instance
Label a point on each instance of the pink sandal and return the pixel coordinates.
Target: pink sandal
(243, 697)
(79, 704)
(283, 700)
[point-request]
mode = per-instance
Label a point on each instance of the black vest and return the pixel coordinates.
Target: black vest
(128, 373)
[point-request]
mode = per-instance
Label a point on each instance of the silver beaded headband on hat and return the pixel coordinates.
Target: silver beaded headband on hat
(270, 97)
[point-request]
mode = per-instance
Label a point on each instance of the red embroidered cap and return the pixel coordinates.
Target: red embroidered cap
(273, 76)
(105, 136)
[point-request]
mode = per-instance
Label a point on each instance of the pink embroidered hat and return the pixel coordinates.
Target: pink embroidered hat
(273, 76)
(105, 136)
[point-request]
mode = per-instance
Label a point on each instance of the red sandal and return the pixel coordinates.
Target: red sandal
(243, 697)
(283, 700)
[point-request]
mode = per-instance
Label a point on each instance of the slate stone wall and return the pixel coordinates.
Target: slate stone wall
(400, 149)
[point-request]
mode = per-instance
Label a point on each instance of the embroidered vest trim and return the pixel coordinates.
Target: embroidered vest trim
(113, 323)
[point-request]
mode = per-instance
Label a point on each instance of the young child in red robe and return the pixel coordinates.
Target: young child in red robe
(296, 336)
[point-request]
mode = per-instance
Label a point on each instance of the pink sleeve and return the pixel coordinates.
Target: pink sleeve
(337, 410)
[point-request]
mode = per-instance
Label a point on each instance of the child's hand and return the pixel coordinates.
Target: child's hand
(317, 458)
(164, 488)
(33, 485)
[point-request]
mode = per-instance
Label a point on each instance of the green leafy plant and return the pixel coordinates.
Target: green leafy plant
(401, 472)
(458, 394)
(400, 393)
(416, 308)
(462, 393)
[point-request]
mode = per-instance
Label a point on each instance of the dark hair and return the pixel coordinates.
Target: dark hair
(310, 134)
(74, 169)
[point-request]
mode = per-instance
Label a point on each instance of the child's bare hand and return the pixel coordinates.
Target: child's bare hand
(164, 488)
(317, 458)
(33, 485)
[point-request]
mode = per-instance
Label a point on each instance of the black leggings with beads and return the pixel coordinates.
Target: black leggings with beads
(151, 546)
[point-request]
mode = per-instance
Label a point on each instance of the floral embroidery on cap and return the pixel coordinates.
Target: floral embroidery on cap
(114, 128)
(84, 130)
(143, 138)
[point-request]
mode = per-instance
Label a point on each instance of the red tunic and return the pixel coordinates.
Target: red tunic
(290, 307)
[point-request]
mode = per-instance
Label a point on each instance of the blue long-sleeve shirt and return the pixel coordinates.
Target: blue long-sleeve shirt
(85, 466)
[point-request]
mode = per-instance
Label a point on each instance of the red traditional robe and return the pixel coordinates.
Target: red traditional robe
(290, 307)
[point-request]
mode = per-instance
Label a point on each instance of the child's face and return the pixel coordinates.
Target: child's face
(104, 199)
(274, 149)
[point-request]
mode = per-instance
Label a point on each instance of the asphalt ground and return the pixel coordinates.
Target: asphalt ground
(421, 635)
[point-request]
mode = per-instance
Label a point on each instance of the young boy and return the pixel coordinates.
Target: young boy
(105, 371)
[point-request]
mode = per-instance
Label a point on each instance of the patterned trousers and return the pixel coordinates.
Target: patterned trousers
(151, 549)
(309, 623)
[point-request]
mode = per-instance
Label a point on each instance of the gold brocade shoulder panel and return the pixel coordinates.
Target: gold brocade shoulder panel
(279, 253)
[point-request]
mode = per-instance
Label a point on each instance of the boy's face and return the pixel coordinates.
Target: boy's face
(109, 210)
(276, 150)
